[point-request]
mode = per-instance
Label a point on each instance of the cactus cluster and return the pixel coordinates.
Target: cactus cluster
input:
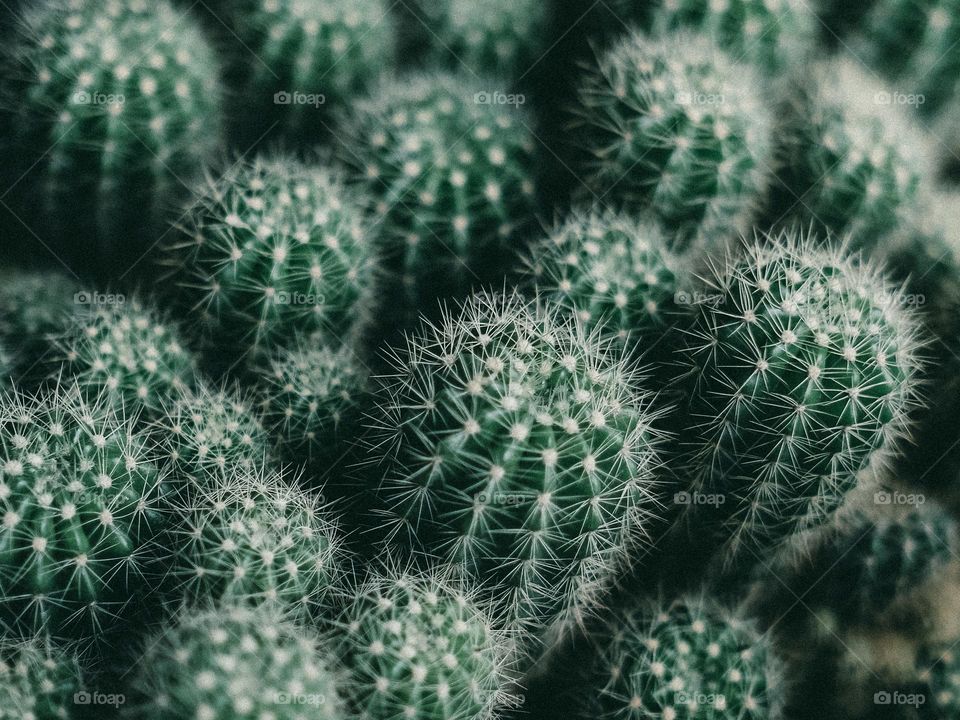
(114, 107)
(685, 138)
(37, 681)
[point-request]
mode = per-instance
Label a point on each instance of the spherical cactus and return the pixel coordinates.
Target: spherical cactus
(274, 249)
(235, 663)
(500, 38)
(126, 350)
(210, 435)
(37, 681)
(421, 646)
(82, 504)
(297, 59)
(453, 172)
(612, 272)
(115, 106)
(848, 159)
(803, 371)
(685, 138)
(310, 399)
(512, 444)
(690, 659)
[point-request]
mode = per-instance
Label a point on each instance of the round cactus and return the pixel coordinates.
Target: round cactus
(687, 660)
(685, 138)
(126, 350)
(297, 59)
(115, 106)
(420, 646)
(804, 370)
(310, 398)
(255, 538)
(849, 164)
(37, 681)
(274, 249)
(210, 435)
(453, 171)
(82, 504)
(613, 273)
(235, 663)
(514, 445)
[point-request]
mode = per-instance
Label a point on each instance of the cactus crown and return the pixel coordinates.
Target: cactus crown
(274, 249)
(687, 139)
(82, 502)
(421, 646)
(517, 447)
(806, 369)
(37, 680)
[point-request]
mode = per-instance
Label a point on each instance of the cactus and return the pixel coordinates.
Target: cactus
(514, 445)
(453, 172)
(273, 249)
(210, 435)
(690, 659)
(235, 663)
(613, 273)
(500, 38)
(687, 139)
(422, 646)
(37, 681)
(82, 504)
(310, 398)
(804, 371)
(298, 59)
(254, 539)
(849, 165)
(939, 672)
(128, 351)
(114, 107)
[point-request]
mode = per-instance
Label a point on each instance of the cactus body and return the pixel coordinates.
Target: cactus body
(687, 139)
(37, 681)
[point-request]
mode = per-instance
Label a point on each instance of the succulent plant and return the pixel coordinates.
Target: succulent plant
(612, 272)
(235, 663)
(803, 372)
(939, 671)
(311, 400)
(82, 503)
(514, 445)
(848, 160)
(685, 138)
(254, 538)
(37, 681)
(274, 249)
(422, 646)
(453, 172)
(126, 350)
(689, 659)
(296, 60)
(114, 105)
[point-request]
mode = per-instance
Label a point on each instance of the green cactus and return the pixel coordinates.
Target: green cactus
(82, 504)
(254, 538)
(803, 371)
(690, 659)
(273, 249)
(454, 176)
(421, 646)
(612, 272)
(297, 59)
(685, 138)
(128, 351)
(37, 681)
(512, 444)
(235, 663)
(310, 398)
(849, 161)
(939, 673)
(114, 105)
